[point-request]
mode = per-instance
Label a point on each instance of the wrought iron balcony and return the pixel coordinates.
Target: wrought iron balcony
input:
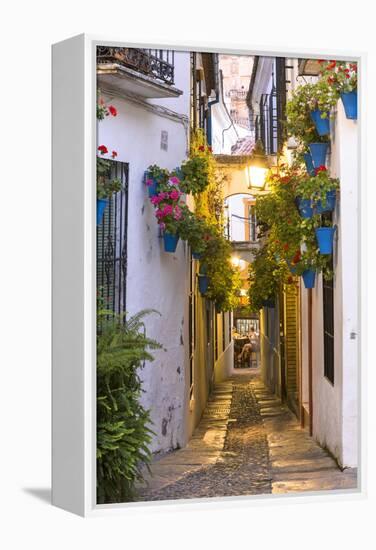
(158, 64)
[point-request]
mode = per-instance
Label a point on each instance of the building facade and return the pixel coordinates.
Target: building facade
(160, 96)
(309, 341)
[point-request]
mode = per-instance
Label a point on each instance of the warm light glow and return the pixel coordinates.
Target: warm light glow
(257, 176)
(235, 260)
(243, 292)
(242, 265)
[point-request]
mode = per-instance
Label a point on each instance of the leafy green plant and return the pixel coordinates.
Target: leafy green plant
(316, 187)
(195, 173)
(195, 230)
(106, 185)
(123, 425)
(298, 117)
(160, 175)
(266, 273)
(321, 96)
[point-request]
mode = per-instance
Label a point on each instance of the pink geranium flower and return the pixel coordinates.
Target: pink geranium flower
(149, 182)
(178, 213)
(174, 180)
(167, 210)
(155, 200)
(174, 195)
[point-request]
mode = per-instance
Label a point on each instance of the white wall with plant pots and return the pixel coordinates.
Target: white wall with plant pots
(335, 406)
(156, 279)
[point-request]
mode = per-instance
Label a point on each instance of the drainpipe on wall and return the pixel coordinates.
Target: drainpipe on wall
(214, 102)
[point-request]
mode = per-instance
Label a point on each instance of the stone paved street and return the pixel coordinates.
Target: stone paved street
(247, 443)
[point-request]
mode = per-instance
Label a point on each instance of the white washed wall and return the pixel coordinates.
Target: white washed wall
(335, 406)
(156, 279)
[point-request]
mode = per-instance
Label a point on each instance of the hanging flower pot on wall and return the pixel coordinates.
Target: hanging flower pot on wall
(324, 237)
(305, 207)
(309, 276)
(196, 255)
(170, 242)
(350, 104)
(203, 283)
(101, 206)
(330, 203)
(318, 153)
(309, 164)
(322, 125)
(151, 184)
(268, 303)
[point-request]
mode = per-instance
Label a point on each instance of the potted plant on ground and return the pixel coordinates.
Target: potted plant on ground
(342, 77)
(106, 185)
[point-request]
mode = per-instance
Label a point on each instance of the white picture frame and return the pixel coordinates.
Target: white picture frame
(73, 290)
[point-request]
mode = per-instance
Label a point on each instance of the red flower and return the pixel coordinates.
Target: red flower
(114, 154)
(330, 80)
(201, 148)
(285, 179)
(353, 66)
(102, 149)
(290, 280)
(112, 110)
(321, 61)
(321, 168)
(347, 75)
(297, 257)
(285, 247)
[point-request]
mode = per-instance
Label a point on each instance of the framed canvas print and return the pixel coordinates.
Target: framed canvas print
(206, 274)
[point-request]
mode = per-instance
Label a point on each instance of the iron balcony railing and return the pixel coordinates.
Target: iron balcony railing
(158, 64)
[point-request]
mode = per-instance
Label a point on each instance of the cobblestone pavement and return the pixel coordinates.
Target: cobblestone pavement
(247, 443)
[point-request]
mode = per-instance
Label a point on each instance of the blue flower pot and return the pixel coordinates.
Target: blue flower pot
(329, 205)
(305, 207)
(268, 303)
(196, 255)
(170, 242)
(203, 283)
(322, 124)
(309, 164)
(324, 237)
(153, 188)
(318, 153)
(350, 104)
(309, 276)
(101, 206)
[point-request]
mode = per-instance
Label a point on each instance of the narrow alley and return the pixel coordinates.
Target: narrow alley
(226, 281)
(247, 443)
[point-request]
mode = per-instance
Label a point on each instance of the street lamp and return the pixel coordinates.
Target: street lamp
(258, 167)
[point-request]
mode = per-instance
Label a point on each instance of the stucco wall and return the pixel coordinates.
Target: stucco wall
(156, 279)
